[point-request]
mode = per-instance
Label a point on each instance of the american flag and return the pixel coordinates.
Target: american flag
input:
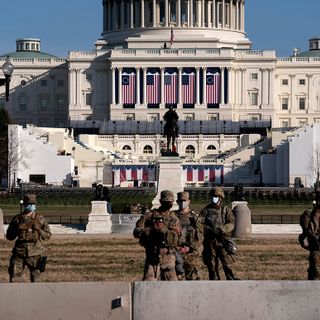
(199, 173)
(171, 37)
(188, 90)
(128, 84)
(170, 88)
(213, 87)
(153, 88)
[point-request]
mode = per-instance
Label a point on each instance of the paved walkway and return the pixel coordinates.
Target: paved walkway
(258, 229)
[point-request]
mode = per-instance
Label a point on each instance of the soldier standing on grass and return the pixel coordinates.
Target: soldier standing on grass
(30, 229)
(217, 223)
(158, 231)
(310, 237)
(189, 241)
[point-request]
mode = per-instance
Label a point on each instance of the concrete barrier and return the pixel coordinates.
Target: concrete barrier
(79, 300)
(223, 300)
(183, 300)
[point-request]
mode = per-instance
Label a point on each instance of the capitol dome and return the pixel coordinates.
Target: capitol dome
(180, 23)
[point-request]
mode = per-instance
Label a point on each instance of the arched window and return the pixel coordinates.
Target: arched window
(190, 149)
(211, 147)
(147, 149)
(126, 147)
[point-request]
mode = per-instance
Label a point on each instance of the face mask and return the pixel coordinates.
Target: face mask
(183, 205)
(166, 205)
(215, 200)
(30, 207)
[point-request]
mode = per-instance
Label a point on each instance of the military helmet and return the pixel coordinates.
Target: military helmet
(217, 192)
(167, 196)
(30, 199)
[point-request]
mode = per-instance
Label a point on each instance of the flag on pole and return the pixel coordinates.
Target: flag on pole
(128, 83)
(188, 88)
(213, 87)
(171, 37)
(170, 88)
(153, 87)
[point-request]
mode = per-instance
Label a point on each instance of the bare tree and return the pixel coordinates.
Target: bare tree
(18, 154)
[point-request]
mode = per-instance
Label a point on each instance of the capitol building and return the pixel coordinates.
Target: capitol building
(152, 54)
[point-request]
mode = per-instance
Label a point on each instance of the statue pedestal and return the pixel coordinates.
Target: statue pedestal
(1, 225)
(99, 220)
(170, 178)
(242, 215)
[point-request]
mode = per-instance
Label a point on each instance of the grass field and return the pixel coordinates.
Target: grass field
(82, 210)
(120, 258)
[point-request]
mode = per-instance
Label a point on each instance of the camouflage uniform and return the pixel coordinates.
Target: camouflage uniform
(217, 223)
(310, 238)
(160, 244)
(30, 231)
(189, 239)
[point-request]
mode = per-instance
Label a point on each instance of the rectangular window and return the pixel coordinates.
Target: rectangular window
(153, 117)
(285, 82)
(302, 103)
(43, 104)
(43, 83)
(284, 103)
(254, 76)
(254, 98)
(285, 124)
(189, 117)
(88, 99)
(60, 83)
(23, 103)
(213, 117)
(61, 102)
(302, 82)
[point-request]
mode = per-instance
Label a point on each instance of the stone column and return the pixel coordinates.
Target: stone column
(131, 14)
(162, 86)
(154, 10)
(144, 87)
(213, 13)
(113, 89)
(242, 15)
(223, 14)
(198, 85)
(120, 86)
(222, 85)
(209, 20)
(109, 22)
(191, 13)
(72, 86)
(204, 87)
(203, 5)
(142, 14)
(230, 85)
(115, 15)
(244, 84)
(166, 18)
(198, 13)
(230, 14)
(179, 87)
(78, 73)
(179, 13)
(138, 86)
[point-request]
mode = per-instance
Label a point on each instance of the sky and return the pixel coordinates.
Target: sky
(75, 25)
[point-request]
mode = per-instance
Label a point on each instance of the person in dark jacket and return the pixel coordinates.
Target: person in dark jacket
(29, 229)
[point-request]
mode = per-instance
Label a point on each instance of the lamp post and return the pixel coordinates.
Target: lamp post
(7, 70)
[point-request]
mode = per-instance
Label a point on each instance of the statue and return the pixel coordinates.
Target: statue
(171, 129)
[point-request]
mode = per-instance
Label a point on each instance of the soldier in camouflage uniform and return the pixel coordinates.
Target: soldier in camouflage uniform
(310, 237)
(158, 231)
(217, 223)
(189, 241)
(30, 229)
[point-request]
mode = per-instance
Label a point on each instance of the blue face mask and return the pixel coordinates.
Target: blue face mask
(215, 200)
(30, 207)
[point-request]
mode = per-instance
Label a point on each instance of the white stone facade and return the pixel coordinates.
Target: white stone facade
(88, 85)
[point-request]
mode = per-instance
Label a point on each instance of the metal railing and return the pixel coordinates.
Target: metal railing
(275, 219)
